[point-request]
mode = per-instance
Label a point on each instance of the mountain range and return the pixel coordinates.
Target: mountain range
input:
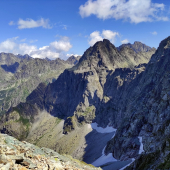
(125, 88)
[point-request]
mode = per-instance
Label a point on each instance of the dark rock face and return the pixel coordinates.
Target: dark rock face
(11, 68)
(113, 88)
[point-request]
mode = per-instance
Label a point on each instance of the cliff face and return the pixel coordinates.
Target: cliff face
(107, 86)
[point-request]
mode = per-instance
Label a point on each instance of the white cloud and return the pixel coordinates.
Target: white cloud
(135, 11)
(45, 52)
(97, 36)
(52, 51)
(125, 41)
(110, 35)
(94, 37)
(11, 23)
(154, 33)
(30, 23)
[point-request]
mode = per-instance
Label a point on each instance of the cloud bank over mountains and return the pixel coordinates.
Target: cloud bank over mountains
(52, 51)
(134, 11)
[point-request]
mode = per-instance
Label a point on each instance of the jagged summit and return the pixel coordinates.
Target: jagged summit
(137, 47)
(26, 56)
(46, 58)
(73, 60)
(102, 55)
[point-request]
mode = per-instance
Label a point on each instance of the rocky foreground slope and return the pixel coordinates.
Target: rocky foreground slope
(18, 155)
(107, 86)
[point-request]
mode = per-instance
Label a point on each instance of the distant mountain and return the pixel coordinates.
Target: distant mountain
(137, 47)
(47, 59)
(73, 60)
(136, 58)
(20, 75)
(26, 56)
(8, 59)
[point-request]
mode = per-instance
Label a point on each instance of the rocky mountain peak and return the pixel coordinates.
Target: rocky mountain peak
(102, 55)
(73, 59)
(137, 46)
(46, 58)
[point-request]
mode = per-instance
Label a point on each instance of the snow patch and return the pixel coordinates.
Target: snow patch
(141, 145)
(128, 164)
(108, 129)
(104, 159)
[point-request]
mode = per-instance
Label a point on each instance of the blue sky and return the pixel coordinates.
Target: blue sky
(58, 28)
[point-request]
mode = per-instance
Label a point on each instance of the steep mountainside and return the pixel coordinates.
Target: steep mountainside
(146, 115)
(90, 91)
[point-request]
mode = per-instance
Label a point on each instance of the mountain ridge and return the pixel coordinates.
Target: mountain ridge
(137, 46)
(89, 92)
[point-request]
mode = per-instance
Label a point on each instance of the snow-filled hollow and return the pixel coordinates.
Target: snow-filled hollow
(128, 164)
(141, 145)
(108, 129)
(104, 158)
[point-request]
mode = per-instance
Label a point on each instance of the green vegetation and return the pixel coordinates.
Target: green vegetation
(166, 164)
(69, 124)
(25, 93)
(87, 115)
(145, 161)
(24, 121)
